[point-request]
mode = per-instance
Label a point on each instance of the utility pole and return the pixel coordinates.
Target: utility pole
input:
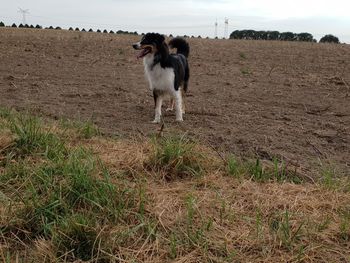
(216, 29)
(226, 28)
(24, 12)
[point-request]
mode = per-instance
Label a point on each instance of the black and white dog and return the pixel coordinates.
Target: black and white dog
(168, 74)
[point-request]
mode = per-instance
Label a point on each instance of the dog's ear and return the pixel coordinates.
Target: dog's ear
(160, 39)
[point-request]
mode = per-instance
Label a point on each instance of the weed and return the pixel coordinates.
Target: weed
(345, 226)
(77, 234)
(258, 224)
(233, 166)
(242, 55)
(245, 71)
(85, 130)
(285, 231)
(173, 246)
(257, 171)
(177, 157)
(328, 178)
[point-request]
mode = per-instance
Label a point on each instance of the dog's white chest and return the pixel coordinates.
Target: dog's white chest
(159, 78)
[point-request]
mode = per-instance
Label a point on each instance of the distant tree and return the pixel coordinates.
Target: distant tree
(31, 26)
(71, 29)
(261, 35)
(90, 30)
(273, 35)
(105, 31)
(2, 24)
(329, 39)
(58, 28)
(307, 37)
(38, 27)
(83, 30)
(199, 36)
(77, 29)
(98, 31)
(135, 33)
(288, 36)
(120, 32)
(26, 26)
(51, 27)
(111, 32)
(14, 25)
(237, 34)
(21, 25)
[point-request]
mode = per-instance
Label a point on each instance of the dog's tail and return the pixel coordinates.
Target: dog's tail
(181, 45)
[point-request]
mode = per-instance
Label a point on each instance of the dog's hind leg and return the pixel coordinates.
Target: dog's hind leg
(183, 95)
(178, 105)
(171, 105)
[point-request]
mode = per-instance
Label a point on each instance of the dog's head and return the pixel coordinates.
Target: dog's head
(149, 44)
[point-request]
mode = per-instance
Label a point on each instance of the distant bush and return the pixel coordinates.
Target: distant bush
(50, 27)
(77, 29)
(71, 29)
(329, 39)
(98, 31)
(2, 24)
(111, 32)
(26, 26)
(14, 25)
(90, 30)
(58, 28)
(38, 27)
(83, 30)
(31, 26)
(21, 25)
(105, 31)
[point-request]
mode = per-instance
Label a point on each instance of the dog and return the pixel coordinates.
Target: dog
(168, 74)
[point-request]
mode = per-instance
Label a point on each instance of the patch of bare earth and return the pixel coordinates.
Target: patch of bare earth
(251, 98)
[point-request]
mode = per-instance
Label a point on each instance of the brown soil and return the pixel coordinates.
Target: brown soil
(283, 99)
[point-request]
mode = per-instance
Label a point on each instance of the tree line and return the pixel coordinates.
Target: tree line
(70, 29)
(283, 36)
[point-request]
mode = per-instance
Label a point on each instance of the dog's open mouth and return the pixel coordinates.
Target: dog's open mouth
(144, 52)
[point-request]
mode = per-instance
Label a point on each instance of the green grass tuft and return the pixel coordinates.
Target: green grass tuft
(177, 157)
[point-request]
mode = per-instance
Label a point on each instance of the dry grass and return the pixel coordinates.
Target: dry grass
(245, 216)
(214, 217)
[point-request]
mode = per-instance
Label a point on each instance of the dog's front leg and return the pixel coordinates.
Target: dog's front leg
(158, 100)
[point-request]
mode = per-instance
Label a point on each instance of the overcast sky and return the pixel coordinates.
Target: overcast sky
(190, 17)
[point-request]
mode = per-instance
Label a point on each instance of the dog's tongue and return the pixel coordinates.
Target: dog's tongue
(142, 53)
